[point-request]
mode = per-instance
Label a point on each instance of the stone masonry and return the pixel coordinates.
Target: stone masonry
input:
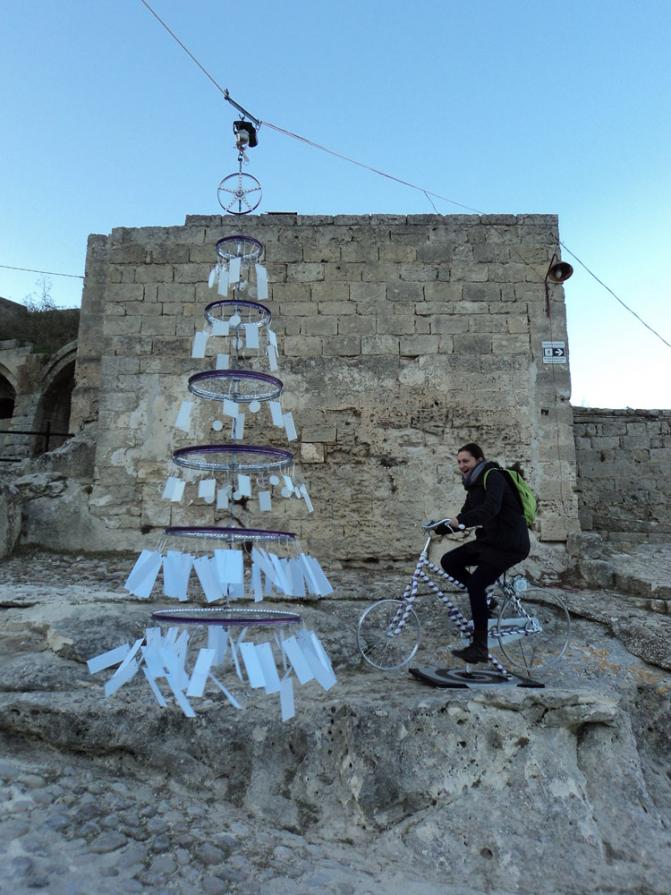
(624, 457)
(401, 339)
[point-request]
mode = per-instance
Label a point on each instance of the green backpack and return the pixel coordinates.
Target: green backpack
(526, 496)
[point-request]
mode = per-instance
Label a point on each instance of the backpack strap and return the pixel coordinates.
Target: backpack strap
(510, 481)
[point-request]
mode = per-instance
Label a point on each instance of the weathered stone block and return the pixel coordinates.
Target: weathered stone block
(379, 345)
(472, 343)
(449, 323)
(337, 308)
(302, 346)
(158, 326)
(121, 326)
(415, 346)
(319, 326)
(124, 292)
(356, 325)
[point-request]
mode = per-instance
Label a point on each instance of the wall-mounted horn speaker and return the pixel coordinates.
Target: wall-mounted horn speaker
(559, 272)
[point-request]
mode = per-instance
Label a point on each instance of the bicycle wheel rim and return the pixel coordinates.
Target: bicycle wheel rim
(388, 634)
(542, 632)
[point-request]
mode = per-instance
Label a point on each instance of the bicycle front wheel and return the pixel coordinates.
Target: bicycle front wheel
(388, 634)
(533, 631)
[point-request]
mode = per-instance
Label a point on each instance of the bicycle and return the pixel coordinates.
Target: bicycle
(531, 628)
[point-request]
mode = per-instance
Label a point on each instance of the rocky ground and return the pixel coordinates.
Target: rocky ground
(380, 785)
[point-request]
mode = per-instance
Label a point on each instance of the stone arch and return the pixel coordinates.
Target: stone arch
(53, 409)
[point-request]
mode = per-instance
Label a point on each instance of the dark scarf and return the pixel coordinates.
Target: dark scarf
(471, 477)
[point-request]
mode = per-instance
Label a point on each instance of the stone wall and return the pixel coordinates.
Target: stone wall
(624, 458)
(401, 338)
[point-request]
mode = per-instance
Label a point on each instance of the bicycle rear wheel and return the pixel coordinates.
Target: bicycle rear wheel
(388, 634)
(533, 632)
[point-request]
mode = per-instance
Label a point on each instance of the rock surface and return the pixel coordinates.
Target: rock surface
(381, 785)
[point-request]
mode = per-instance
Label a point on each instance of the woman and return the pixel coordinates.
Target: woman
(501, 540)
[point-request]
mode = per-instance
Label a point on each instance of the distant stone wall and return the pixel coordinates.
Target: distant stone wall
(401, 338)
(624, 463)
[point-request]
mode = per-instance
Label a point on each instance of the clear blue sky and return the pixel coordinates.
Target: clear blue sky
(504, 106)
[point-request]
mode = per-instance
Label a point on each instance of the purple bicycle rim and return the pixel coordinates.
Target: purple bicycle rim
(239, 303)
(237, 237)
(212, 531)
(228, 617)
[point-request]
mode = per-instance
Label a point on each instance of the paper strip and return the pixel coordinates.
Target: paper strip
(221, 362)
(173, 489)
(223, 495)
(264, 653)
(227, 693)
(287, 707)
(153, 663)
(143, 574)
(206, 489)
(213, 277)
(239, 427)
(176, 570)
(119, 679)
(154, 687)
(276, 414)
(261, 282)
(106, 660)
(257, 588)
(184, 416)
(220, 327)
(207, 576)
(234, 270)
(289, 426)
(180, 698)
(199, 344)
(272, 358)
(200, 672)
(244, 485)
(251, 335)
(230, 408)
(265, 502)
(323, 674)
(272, 337)
(299, 663)
(229, 565)
(217, 640)
(252, 665)
(222, 288)
(306, 497)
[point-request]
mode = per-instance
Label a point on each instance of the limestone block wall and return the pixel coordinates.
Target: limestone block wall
(401, 338)
(624, 458)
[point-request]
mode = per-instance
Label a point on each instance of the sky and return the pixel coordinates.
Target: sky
(507, 107)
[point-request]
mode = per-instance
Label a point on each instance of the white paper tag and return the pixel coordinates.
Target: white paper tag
(251, 335)
(143, 574)
(261, 282)
(223, 495)
(234, 271)
(306, 497)
(200, 673)
(154, 688)
(106, 660)
(289, 426)
(239, 427)
(206, 572)
(276, 414)
(229, 564)
(230, 408)
(199, 344)
(272, 337)
(287, 707)
(174, 489)
(265, 501)
(221, 362)
(272, 358)
(298, 661)
(217, 640)
(264, 653)
(206, 489)
(244, 485)
(222, 287)
(184, 416)
(176, 570)
(227, 693)
(220, 327)
(213, 277)
(252, 665)
(122, 677)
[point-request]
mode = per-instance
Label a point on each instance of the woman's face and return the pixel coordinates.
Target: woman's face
(466, 462)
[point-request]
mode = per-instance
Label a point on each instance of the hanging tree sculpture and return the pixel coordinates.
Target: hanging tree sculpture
(230, 561)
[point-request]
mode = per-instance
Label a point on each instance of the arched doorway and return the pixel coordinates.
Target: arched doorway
(53, 413)
(7, 399)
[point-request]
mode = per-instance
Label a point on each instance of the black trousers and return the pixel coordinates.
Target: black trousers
(456, 564)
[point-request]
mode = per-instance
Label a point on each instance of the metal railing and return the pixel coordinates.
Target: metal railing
(48, 433)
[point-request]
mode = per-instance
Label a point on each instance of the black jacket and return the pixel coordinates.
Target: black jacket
(503, 537)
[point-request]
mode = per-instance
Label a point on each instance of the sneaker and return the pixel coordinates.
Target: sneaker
(472, 654)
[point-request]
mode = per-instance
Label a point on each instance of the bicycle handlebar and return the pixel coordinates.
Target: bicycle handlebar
(431, 525)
